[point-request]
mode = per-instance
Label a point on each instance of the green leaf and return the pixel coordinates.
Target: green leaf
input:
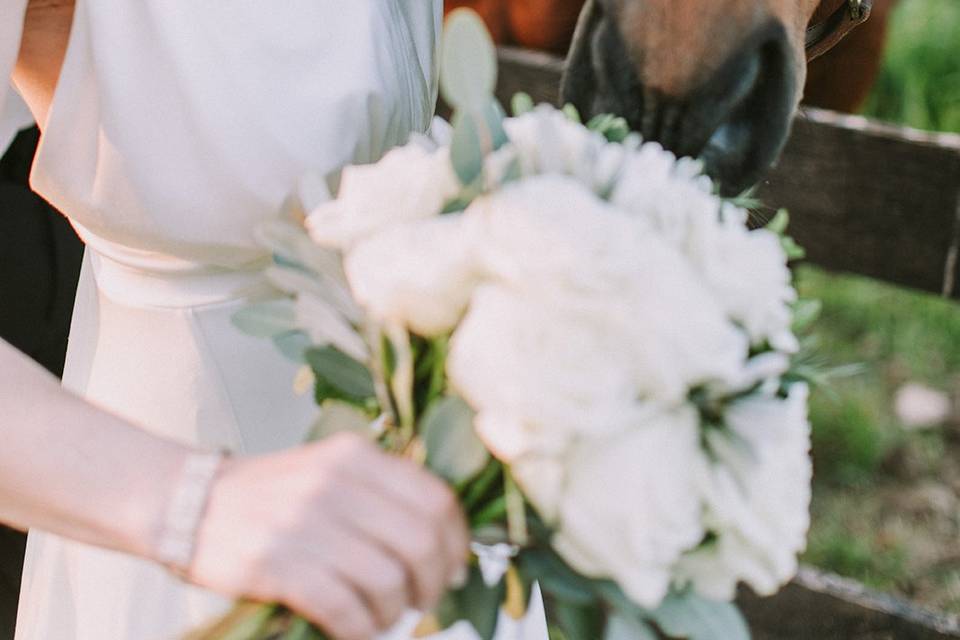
(337, 416)
(454, 451)
(779, 223)
(793, 250)
(475, 602)
(468, 63)
(466, 150)
(476, 133)
(805, 313)
(300, 629)
(556, 578)
(627, 628)
(339, 376)
(572, 113)
(693, 617)
(521, 103)
(293, 345)
(266, 319)
(493, 116)
(579, 622)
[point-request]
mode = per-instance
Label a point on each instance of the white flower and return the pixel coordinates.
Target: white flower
(537, 374)
(748, 272)
(757, 496)
(420, 274)
(629, 506)
(410, 182)
(548, 142)
(553, 240)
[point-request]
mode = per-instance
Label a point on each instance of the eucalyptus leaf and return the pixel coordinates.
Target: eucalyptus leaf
(493, 116)
(468, 63)
(337, 416)
(266, 319)
(627, 628)
(475, 602)
(521, 103)
(453, 449)
(572, 113)
(466, 150)
(293, 345)
(688, 615)
(340, 376)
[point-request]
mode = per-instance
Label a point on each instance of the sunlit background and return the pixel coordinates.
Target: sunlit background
(887, 492)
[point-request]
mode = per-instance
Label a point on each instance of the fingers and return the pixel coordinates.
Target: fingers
(424, 496)
(413, 541)
(332, 605)
(379, 578)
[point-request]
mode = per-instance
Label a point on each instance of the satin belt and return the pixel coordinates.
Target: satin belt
(140, 279)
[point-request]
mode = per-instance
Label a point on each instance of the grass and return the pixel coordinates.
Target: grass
(859, 528)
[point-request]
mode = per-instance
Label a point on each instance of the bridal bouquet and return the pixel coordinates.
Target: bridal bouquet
(572, 329)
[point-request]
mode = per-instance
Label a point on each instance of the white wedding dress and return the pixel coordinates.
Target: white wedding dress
(175, 129)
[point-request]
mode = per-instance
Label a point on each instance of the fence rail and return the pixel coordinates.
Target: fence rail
(866, 198)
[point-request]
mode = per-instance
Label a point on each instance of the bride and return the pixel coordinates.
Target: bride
(170, 130)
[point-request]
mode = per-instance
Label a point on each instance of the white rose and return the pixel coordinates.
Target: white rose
(419, 274)
(630, 505)
(410, 182)
(757, 496)
(538, 372)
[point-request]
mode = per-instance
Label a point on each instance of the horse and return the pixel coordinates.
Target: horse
(717, 79)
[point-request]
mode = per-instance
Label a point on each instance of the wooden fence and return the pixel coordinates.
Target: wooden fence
(875, 200)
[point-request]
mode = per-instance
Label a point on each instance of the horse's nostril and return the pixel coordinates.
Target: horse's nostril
(739, 120)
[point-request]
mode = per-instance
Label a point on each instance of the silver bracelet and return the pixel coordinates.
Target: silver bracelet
(178, 535)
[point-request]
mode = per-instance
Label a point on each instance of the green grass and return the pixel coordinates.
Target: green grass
(920, 81)
(897, 336)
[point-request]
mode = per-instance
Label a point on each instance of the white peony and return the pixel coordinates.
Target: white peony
(538, 374)
(410, 182)
(748, 272)
(419, 274)
(757, 496)
(629, 505)
(554, 240)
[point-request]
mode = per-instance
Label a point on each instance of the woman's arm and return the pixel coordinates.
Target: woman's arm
(70, 468)
(339, 531)
(43, 46)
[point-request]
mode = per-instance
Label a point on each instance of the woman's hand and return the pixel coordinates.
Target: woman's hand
(344, 534)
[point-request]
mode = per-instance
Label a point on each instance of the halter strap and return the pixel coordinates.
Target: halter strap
(825, 35)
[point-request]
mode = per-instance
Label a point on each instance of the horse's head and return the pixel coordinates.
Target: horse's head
(718, 79)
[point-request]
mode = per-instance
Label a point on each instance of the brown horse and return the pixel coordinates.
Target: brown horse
(719, 79)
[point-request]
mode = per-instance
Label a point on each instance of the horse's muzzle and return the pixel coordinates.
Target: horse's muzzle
(737, 121)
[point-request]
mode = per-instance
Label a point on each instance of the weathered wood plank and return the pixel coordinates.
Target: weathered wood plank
(866, 198)
(827, 607)
(871, 199)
